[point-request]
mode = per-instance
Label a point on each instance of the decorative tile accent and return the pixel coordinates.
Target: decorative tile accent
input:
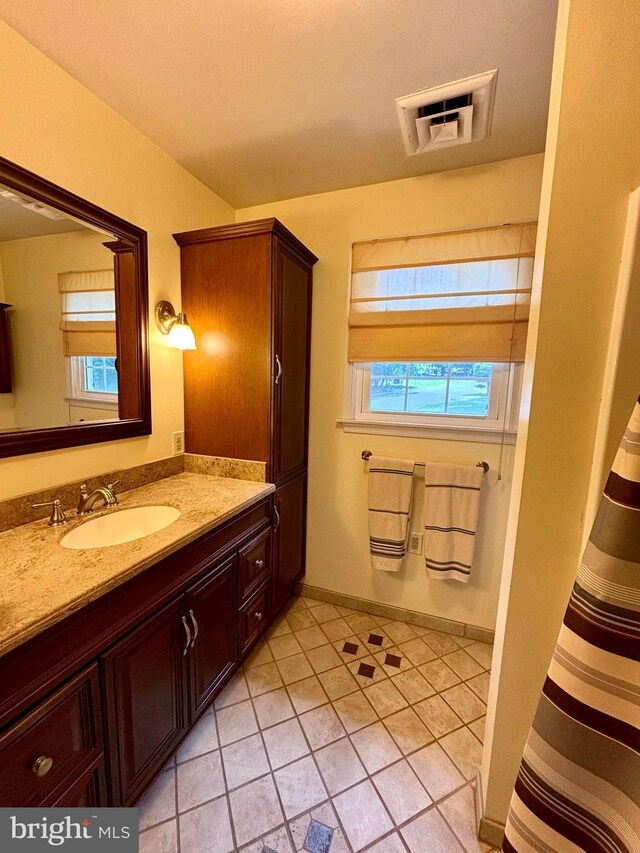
(375, 639)
(350, 648)
(396, 661)
(366, 670)
(393, 660)
(374, 673)
(318, 838)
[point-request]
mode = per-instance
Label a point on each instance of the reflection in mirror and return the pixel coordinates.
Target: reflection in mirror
(59, 278)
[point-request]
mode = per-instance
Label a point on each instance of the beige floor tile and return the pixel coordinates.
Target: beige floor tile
(301, 619)
(439, 675)
(480, 685)
(351, 641)
(430, 826)
(336, 630)
(408, 730)
(207, 828)
(340, 766)
(255, 809)
(284, 646)
(463, 641)
(462, 664)
(417, 651)
(306, 694)
(294, 668)
(261, 654)
(323, 814)
(272, 708)
(200, 780)
(413, 686)
(202, 738)
(355, 711)
(478, 727)
(235, 690)
(464, 702)
(436, 771)
(311, 638)
(285, 743)
(364, 676)
(360, 622)
(236, 722)
(465, 750)
(376, 747)
(390, 844)
(244, 761)
(277, 841)
(482, 653)
(393, 660)
(401, 791)
(299, 603)
(437, 716)
(160, 839)
(278, 629)
(385, 698)
(338, 682)
(459, 812)
(323, 658)
(441, 644)
(399, 632)
(325, 613)
(263, 679)
(321, 726)
(362, 815)
(300, 786)
(375, 640)
(159, 802)
(344, 611)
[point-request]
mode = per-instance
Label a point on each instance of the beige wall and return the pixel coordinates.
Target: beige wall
(55, 127)
(30, 269)
(586, 184)
(337, 553)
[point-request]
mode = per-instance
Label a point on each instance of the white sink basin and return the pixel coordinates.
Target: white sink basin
(120, 526)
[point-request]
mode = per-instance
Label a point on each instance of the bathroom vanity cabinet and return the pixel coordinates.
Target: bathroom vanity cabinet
(92, 708)
(247, 289)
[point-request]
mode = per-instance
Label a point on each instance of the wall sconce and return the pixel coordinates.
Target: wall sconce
(175, 326)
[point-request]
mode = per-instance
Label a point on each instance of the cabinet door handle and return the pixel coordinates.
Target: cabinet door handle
(188, 633)
(259, 564)
(279, 373)
(258, 616)
(196, 629)
(42, 766)
(277, 515)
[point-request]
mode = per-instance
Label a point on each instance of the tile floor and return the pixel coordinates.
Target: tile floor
(343, 732)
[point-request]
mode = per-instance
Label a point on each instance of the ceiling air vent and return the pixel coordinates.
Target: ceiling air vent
(453, 114)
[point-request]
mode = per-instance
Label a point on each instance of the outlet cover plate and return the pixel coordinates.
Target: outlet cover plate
(415, 543)
(177, 442)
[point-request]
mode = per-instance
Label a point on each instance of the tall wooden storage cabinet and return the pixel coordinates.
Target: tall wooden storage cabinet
(246, 290)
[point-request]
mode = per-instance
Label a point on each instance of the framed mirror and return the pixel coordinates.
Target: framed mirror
(74, 352)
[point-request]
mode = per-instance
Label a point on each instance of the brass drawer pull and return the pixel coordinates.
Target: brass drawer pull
(196, 629)
(259, 564)
(258, 616)
(42, 766)
(279, 368)
(188, 633)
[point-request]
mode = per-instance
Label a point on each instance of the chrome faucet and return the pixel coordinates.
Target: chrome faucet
(107, 493)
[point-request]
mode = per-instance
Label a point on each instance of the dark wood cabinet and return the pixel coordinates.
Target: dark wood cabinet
(211, 611)
(144, 678)
(289, 541)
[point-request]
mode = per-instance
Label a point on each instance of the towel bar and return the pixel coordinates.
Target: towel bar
(368, 453)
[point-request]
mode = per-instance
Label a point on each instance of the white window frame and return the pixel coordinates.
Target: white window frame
(78, 394)
(500, 423)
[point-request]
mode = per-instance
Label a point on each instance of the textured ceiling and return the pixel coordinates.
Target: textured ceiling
(269, 99)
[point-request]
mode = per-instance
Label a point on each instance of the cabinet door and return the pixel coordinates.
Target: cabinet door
(291, 510)
(212, 611)
(291, 364)
(144, 677)
(254, 617)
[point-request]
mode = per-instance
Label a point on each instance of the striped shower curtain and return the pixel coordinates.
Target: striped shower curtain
(578, 788)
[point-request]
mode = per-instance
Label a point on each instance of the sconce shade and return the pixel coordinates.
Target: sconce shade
(175, 326)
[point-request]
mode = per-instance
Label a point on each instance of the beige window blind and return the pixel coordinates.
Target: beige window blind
(88, 316)
(450, 296)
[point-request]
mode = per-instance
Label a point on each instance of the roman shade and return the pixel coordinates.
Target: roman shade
(448, 296)
(88, 317)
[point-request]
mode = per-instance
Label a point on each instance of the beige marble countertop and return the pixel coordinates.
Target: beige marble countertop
(41, 582)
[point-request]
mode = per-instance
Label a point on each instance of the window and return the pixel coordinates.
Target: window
(93, 380)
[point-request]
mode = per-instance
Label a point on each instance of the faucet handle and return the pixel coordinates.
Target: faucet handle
(57, 517)
(111, 488)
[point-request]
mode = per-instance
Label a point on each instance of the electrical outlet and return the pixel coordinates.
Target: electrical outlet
(415, 543)
(178, 442)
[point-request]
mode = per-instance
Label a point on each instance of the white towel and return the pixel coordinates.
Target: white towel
(451, 505)
(390, 494)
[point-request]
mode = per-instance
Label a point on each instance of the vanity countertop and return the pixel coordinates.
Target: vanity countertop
(41, 582)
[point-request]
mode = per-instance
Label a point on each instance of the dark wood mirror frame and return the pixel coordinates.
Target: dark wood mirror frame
(132, 299)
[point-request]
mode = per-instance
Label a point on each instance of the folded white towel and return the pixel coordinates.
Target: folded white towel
(390, 495)
(451, 505)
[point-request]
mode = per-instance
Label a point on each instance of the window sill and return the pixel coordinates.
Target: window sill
(92, 403)
(480, 435)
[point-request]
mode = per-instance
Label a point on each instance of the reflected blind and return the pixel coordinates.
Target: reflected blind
(450, 296)
(88, 316)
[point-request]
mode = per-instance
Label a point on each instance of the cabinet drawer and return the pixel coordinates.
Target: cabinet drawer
(255, 564)
(254, 617)
(46, 751)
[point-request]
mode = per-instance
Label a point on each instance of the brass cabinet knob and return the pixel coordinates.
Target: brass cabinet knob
(259, 563)
(42, 766)
(258, 616)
